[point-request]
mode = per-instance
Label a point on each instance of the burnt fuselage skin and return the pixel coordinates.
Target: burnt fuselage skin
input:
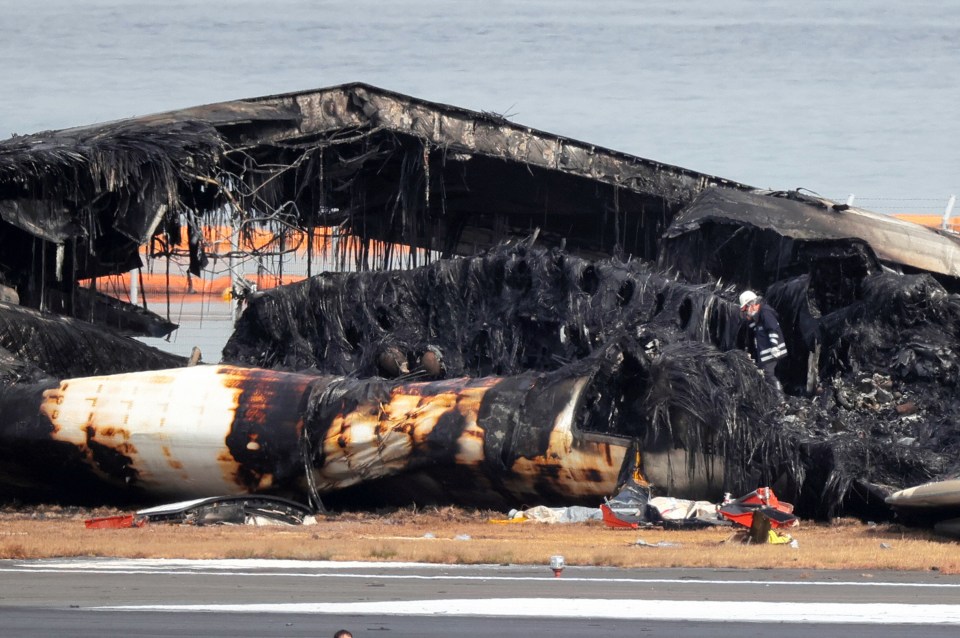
(215, 430)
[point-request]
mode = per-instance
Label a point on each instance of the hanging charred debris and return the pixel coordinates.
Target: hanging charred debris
(564, 313)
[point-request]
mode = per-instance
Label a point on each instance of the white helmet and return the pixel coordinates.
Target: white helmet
(747, 297)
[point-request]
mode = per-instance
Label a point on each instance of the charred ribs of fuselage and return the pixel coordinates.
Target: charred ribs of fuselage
(205, 430)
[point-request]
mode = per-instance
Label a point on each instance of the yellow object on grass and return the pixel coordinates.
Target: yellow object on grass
(778, 538)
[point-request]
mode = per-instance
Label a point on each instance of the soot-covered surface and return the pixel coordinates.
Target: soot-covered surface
(36, 350)
(882, 411)
(872, 371)
(662, 355)
(36, 345)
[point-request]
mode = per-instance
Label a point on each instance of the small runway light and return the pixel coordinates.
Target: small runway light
(557, 565)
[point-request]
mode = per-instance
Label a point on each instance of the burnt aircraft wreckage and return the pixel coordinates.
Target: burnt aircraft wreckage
(565, 315)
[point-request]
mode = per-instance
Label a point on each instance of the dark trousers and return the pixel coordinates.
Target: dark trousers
(769, 373)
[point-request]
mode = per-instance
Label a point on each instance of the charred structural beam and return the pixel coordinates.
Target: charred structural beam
(460, 130)
(458, 181)
(79, 203)
(297, 118)
(192, 432)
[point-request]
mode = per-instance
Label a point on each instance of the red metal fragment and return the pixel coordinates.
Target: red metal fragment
(121, 521)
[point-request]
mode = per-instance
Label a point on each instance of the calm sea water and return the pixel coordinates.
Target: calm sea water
(839, 98)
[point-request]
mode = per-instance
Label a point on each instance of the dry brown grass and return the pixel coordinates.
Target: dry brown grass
(451, 535)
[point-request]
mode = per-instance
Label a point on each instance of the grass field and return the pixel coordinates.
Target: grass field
(452, 535)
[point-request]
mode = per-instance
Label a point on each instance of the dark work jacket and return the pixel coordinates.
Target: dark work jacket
(768, 343)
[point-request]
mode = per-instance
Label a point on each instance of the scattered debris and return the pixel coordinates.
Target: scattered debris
(120, 521)
(259, 510)
(630, 508)
(764, 516)
(642, 543)
(761, 503)
(760, 511)
(678, 509)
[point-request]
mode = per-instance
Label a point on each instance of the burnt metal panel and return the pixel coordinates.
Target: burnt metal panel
(806, 219)
(193, 432)
(184, 432)
(63, 347)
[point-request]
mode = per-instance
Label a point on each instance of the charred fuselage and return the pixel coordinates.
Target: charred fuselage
(190, 432)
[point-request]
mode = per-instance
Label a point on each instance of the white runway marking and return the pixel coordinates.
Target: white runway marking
(333, 569)
(234, 563)
(700, 611)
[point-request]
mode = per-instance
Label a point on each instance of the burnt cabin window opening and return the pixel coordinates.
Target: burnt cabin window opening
(612, 402)
(684, 313)
(625, 293)
(589, 280)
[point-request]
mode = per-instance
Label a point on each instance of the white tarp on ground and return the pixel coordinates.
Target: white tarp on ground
(677, 509)
(671, 509)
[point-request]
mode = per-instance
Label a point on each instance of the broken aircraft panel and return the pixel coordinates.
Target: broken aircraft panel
(757, 238)
(191, 432)
(224, 510)
(42, 346)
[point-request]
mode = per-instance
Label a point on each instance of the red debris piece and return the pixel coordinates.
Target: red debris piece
(611, 519)
(764, 501)
(115, 522)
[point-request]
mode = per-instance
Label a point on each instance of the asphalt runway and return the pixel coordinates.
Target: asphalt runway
(96, 597)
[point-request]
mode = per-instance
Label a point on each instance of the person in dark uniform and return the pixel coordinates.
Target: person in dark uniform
(768, 345)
